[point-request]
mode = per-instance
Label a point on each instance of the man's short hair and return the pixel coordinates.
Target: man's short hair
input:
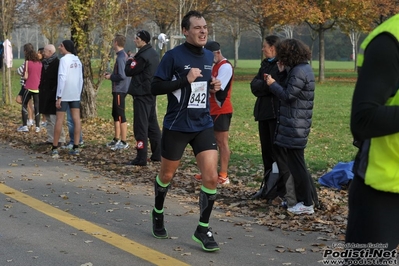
(185, 23)
(120, 40)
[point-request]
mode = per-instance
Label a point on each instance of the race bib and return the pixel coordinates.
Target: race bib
(199, 94)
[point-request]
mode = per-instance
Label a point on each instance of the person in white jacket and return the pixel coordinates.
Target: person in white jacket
(69, 89)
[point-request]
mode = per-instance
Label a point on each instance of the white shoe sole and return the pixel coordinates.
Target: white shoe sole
(300, 212)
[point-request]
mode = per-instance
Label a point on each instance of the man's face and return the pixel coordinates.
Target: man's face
(198, 33)
(46, 53)
(215, 57)
(139, 42)
(114, 45)
(62, 49)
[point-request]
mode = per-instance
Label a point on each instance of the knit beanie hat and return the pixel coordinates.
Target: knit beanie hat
(144, 35)
(212, 46)
(69, 46)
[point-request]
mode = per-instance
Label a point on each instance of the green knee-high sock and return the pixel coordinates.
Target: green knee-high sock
(160, 193)
(206, 200)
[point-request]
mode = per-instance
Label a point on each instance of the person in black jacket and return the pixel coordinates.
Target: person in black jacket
(295, 117)
(142, 68)
(48, 90)
(266, 112)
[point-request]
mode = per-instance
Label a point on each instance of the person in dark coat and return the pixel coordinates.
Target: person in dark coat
(142, 68)
(295, 117)
(265, 113)
(48, 89)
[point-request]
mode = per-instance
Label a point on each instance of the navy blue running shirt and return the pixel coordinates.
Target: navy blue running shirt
(188, 107)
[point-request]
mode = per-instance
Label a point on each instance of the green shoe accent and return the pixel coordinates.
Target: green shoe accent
(203, 247)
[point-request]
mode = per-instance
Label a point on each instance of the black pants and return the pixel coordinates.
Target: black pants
(26, 96)
(373, 215)
(304, 185)
(145, 126)
(273, 153)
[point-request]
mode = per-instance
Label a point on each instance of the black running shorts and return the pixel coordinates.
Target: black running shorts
(174, 142)
(221, 122)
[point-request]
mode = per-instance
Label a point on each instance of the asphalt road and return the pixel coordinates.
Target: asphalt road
(57, 213)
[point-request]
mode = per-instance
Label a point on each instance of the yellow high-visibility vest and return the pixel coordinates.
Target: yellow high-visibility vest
(382, 169)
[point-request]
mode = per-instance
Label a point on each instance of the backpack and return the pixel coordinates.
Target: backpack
(268, 187)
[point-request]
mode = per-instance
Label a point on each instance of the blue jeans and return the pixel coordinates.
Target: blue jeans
(71, 127)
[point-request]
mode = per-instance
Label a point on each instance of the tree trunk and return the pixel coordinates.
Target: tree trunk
(88, 101)
(7, 14)
(357, 37)
(311, 50)
(321, 53)
(236, 46)
(3, 84)
(89, 93)
(6, 87)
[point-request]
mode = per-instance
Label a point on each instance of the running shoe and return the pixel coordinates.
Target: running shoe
(23, 129)
(112, 143)
(299, 208)
(120, 146)
(54, 154)
(74, 152)
(204, 236)
(67, 147)
(158, 228)
(221, 180)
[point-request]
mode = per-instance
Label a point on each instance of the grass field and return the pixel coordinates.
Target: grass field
(330, 140)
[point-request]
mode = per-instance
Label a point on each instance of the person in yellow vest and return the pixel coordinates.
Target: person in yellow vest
(374, 192)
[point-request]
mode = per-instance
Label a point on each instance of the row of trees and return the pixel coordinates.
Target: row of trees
(107, 17)
(338, 45)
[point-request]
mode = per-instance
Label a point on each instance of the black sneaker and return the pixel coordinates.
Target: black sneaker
(158, 228)
(204, 236)
(138, 162)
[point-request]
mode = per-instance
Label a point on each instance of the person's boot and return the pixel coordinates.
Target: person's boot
(140, 160)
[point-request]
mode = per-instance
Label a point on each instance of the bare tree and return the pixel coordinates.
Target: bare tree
(288, 30)
(227, 13)
(7, 12)
(354, 37)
